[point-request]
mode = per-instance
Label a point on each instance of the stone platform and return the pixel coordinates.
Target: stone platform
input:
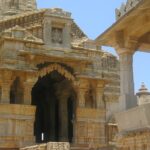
(49, 146)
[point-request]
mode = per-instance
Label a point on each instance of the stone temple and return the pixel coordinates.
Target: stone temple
(56, 85)
(59, 90)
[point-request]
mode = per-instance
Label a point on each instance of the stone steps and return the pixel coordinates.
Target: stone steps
(80, 147)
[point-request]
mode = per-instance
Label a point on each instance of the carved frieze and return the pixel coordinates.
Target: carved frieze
(58, 146)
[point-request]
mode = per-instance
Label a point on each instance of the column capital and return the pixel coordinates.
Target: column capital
(125, 43)
(81, 84)
(101, 84)
(123, 51)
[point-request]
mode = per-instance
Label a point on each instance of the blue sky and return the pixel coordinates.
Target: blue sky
(94, 17)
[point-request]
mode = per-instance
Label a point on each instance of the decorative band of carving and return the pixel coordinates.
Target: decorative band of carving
(58, 68)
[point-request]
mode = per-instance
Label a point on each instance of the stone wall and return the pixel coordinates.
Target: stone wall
(138, 140)
(16, 126)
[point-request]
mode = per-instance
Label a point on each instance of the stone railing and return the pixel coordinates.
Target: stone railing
(49, 146)
(126, 7)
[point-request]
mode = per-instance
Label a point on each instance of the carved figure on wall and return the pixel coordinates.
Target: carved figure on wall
(57, 35)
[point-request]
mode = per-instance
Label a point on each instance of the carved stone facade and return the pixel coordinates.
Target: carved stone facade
(55, 83)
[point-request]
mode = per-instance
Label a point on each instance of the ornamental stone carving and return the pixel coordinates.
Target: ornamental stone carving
(58, 68)
(57, 35)
(126, 7)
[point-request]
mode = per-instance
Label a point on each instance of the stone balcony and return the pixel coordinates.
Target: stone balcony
(135, 119)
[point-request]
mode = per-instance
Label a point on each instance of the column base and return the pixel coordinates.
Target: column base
(62, 139)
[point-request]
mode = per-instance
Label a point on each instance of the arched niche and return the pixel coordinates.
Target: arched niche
(16, 92)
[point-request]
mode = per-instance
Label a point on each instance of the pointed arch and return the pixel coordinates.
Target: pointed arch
(59, 69)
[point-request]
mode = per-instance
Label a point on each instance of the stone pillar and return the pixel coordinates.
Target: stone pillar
(6, 82)
(47, 30)
(27, 98)
(81, 88)
(5, 97)
(99, 95)
(126, 80)
(81, 97)
(66, 35)
(63, 119)
(28, 84)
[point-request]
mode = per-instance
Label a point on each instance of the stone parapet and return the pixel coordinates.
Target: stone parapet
(134, 119)
(130, 4)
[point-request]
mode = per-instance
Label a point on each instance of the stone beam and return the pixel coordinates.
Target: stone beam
(138, 26)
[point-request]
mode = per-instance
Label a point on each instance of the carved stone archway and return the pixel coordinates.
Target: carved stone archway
(54, 97)
(56, 67)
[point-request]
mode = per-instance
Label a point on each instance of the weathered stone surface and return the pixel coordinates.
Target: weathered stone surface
(134, 119)
(16, 125)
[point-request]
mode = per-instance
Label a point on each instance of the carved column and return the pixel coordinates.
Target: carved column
(81, 87)
(28, 85)
(81, 97)
(63, 119)
(47, 29)
(126, 79)
(66, 35)
(6, 86)
(6, 92)
(27, 93)
(99, 95)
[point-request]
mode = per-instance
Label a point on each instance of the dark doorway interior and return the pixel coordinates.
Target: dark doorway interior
(54, 98)
(16, 92)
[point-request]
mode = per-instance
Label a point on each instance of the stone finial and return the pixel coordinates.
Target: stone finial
(125, 8)
(143, 95)
(143, 90)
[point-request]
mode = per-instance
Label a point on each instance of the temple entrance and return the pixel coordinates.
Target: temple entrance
(54, 97)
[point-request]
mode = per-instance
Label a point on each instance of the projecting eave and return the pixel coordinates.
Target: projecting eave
(135, 24)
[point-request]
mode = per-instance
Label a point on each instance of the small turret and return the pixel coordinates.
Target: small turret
(143, 95)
